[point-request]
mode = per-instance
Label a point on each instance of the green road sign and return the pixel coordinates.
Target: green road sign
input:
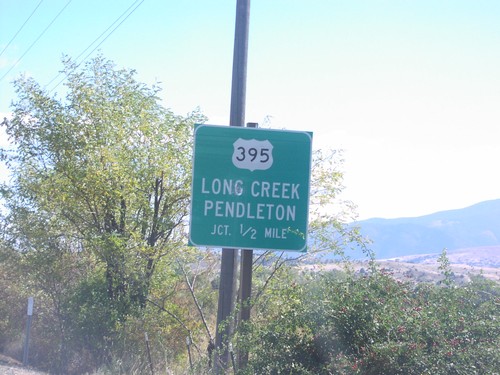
(250, 188)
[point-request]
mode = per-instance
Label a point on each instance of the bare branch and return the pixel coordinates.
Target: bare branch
(198, 306)
(176, 318)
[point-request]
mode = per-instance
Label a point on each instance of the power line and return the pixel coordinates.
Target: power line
(36, 40)
(22, 26)
(96, 39)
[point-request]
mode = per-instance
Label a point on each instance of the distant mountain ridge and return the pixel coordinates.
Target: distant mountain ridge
(471, 227)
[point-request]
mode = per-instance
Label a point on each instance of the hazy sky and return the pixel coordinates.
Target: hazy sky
(409, 89)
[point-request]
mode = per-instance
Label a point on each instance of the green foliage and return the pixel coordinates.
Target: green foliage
(279, 337)
(12, 299)
(98, 199)
(326, 324)
(109, 165)
(444, 267)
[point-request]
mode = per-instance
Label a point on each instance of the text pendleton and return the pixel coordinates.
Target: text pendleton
(259, 211)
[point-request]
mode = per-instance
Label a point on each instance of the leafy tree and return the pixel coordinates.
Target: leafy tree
(99, 192)
(12, 303)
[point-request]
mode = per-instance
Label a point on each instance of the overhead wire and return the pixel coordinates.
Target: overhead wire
(91, 44)
(22, 26)
(101, 42)
(36, 40)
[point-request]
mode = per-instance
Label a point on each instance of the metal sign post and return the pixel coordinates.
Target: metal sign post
(28, 329)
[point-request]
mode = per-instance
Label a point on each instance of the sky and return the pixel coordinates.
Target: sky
(408, 89)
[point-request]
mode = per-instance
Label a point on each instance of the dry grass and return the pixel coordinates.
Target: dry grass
(484, 261)
(10, 366)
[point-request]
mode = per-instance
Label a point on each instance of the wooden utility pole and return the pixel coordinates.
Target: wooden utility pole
(229, 261)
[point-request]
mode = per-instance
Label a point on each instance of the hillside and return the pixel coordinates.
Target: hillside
(478, 257)
(476, 226)
(464, 263)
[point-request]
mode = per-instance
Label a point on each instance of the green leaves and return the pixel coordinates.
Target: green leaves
(347, 324)
(101, 181)
(107, 159)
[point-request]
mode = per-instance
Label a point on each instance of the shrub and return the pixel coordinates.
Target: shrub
(375, 325)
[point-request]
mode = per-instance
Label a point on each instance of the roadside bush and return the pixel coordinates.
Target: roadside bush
(375, 325)
(12, 305)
